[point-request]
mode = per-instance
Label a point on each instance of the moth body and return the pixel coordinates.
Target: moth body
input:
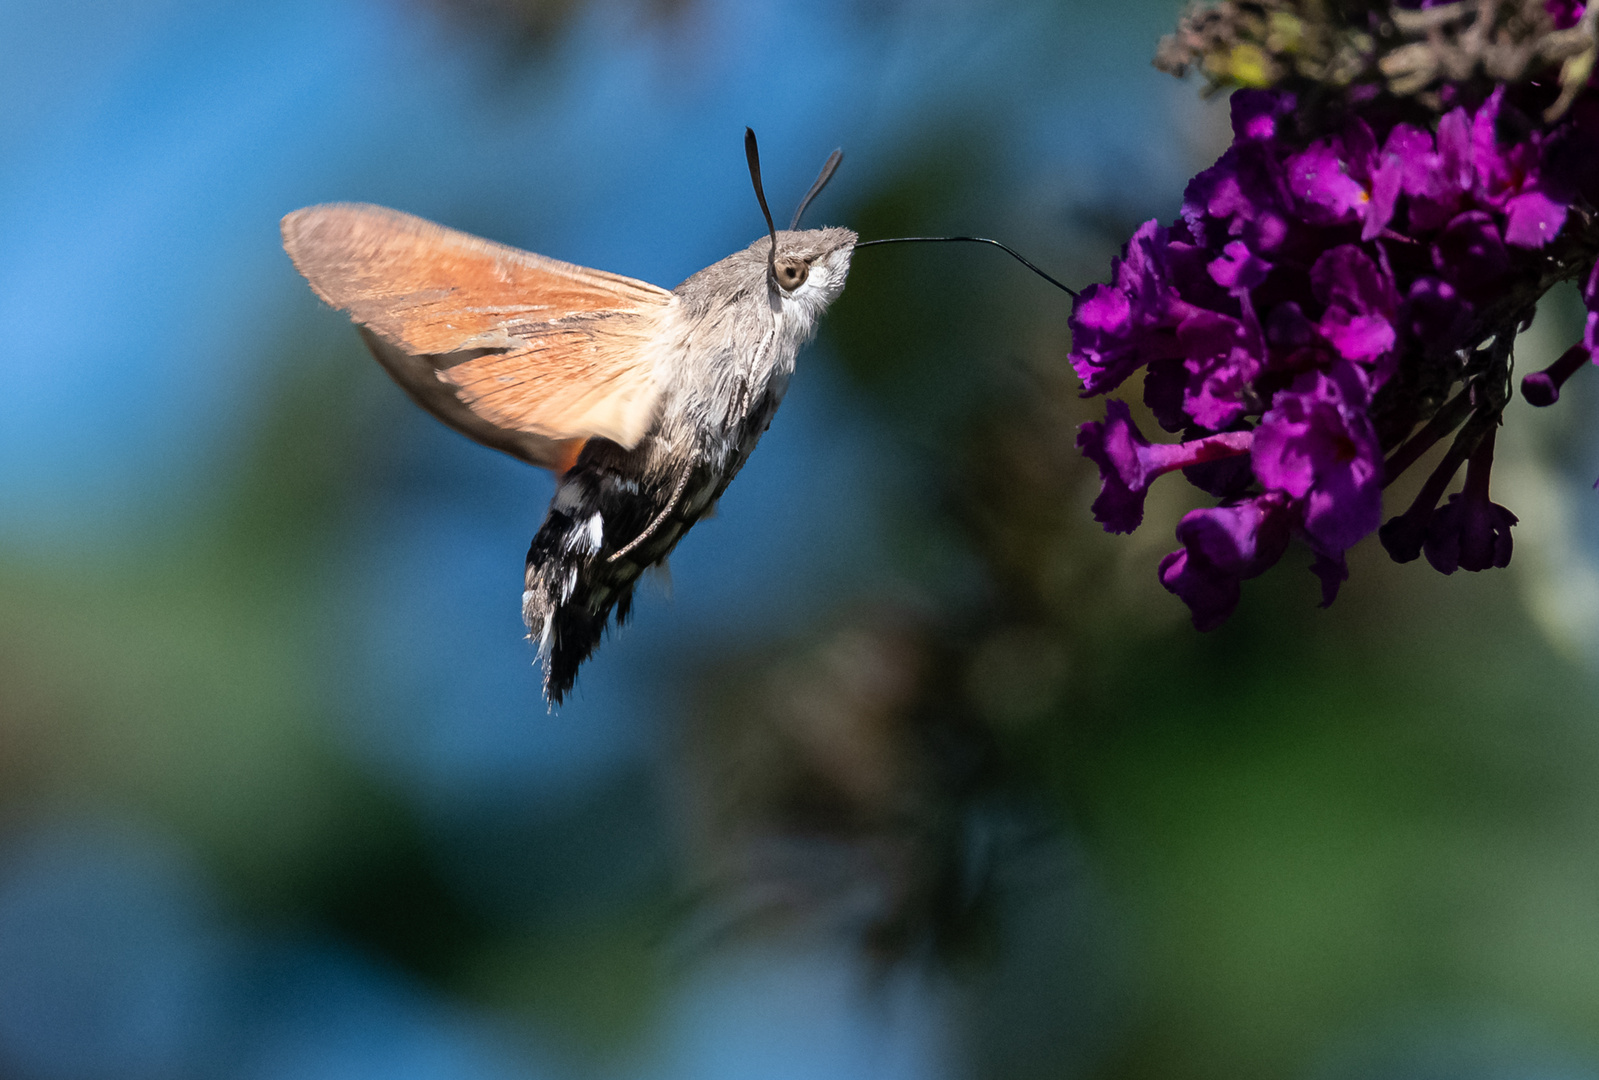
(731, 335)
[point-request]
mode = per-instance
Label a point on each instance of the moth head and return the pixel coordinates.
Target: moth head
(791, 257)
(811, 264)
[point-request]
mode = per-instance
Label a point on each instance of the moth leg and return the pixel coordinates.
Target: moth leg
(671, 504)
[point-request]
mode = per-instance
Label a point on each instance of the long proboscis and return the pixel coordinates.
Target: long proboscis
(974, 240)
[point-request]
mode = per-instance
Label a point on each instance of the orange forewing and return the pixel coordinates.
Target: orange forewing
(527, 354)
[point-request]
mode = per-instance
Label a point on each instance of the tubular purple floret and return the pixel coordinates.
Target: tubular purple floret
(1542, 388)
(1167, 457)
(1129, 463)
(1472, 532)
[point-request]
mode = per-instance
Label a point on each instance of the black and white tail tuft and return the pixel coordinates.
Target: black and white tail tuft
(586, 559)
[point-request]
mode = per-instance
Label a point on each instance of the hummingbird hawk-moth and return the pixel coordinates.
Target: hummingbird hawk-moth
(643, 402)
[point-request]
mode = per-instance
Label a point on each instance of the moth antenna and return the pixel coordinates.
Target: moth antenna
(828, 169)
(753, 153)
(975, 240)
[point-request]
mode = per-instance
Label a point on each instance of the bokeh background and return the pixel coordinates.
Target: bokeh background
(908, 772)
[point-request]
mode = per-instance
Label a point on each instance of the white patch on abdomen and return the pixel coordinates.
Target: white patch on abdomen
(589, 536)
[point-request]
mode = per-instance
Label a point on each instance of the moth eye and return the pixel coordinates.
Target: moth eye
(791, 273)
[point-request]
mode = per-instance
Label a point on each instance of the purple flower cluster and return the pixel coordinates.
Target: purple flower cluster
(1339, 294)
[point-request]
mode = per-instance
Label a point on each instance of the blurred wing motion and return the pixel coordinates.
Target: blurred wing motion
(525, 354)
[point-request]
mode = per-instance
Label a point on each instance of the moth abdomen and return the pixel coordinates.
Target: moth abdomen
(604, 528)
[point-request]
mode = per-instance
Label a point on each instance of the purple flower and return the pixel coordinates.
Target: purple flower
(1331, 176)
(1534, 219)
(1223, 356)
(1165, 386)
(1470, 255)
(1238, 270)
(1129, 463)
(1317, 447)
(1211, 594)
(1118, 328)
(1361, 303)
(1496, 168)
(1469, 534)
(1436, 318)
(1404, 164)
(1222, 547)
(1244, 196)
(1403, 535)
(1438, 181)
(1509, 178)
(1323, 300)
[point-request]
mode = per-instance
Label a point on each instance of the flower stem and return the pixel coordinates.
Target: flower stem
(1445, 420)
